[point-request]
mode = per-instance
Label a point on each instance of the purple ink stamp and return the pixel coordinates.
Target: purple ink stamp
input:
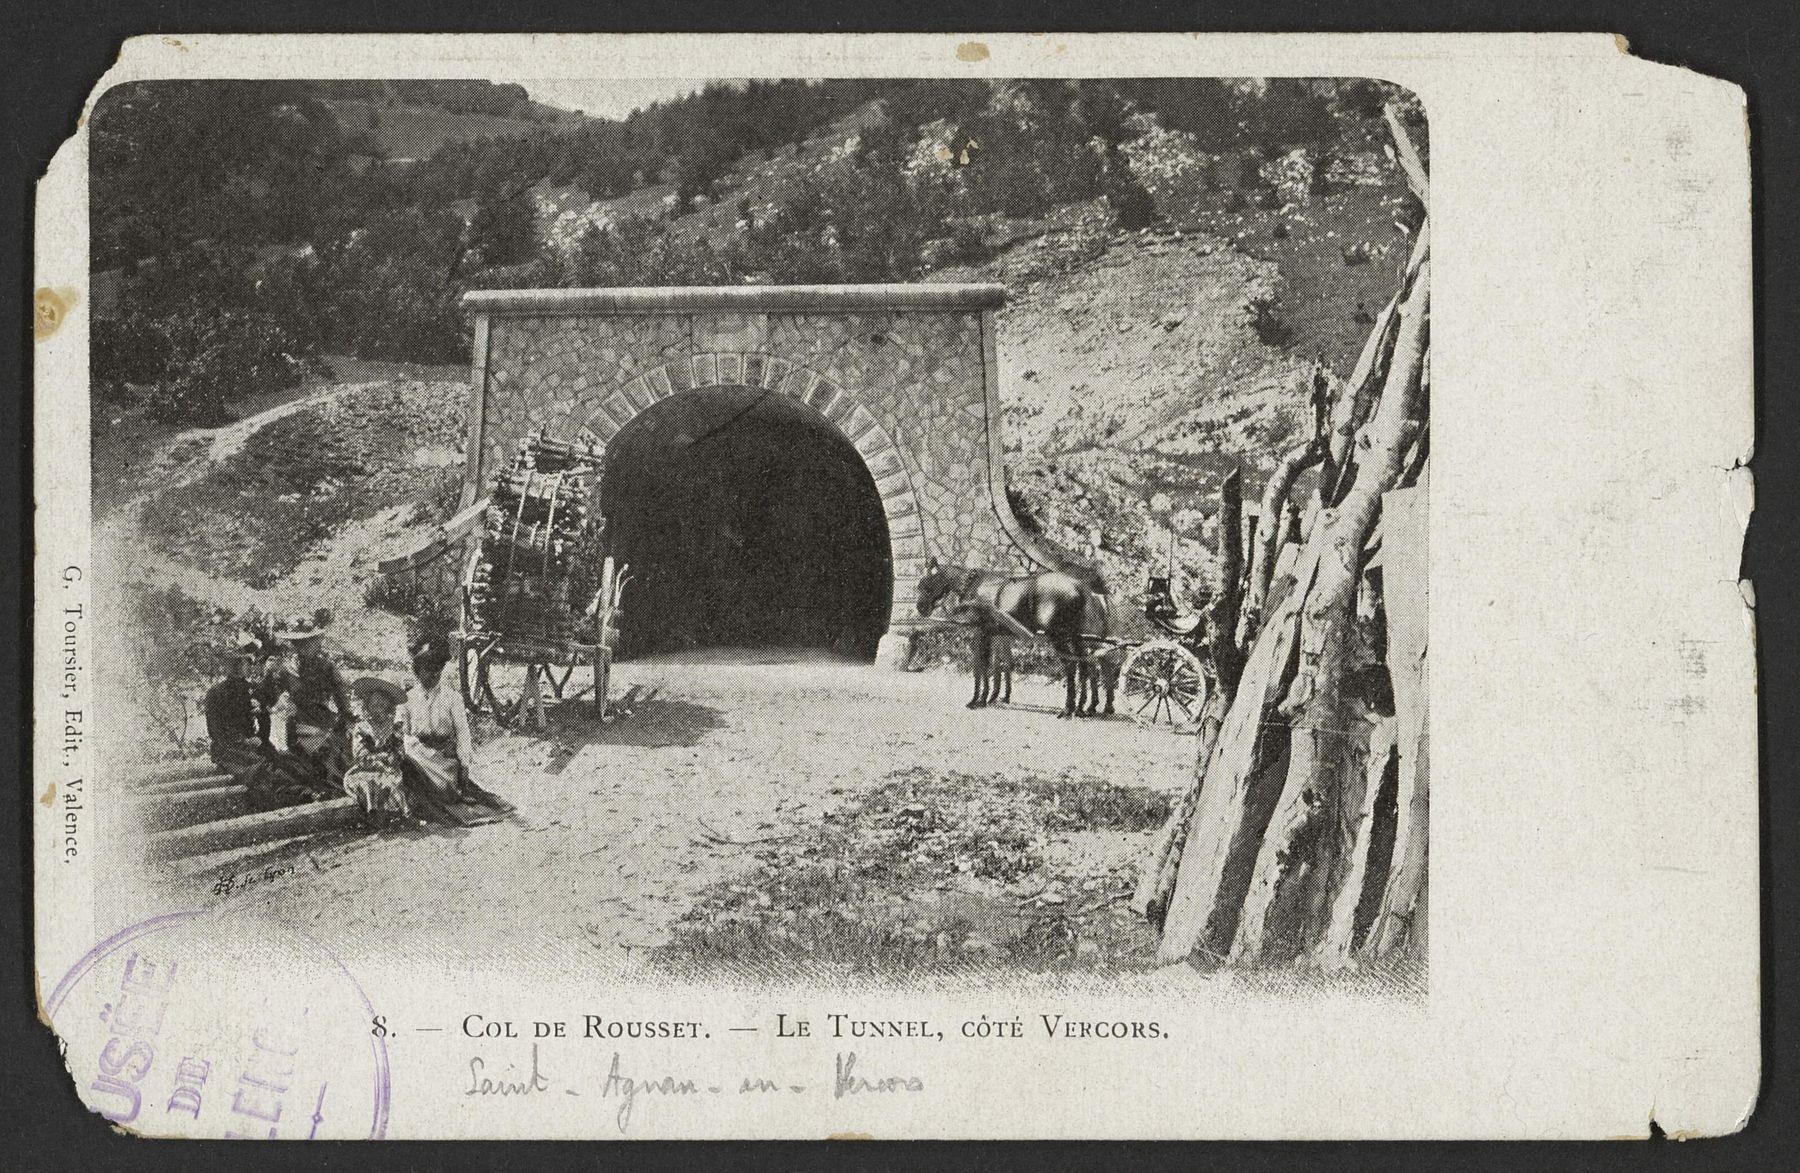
(201, 1026)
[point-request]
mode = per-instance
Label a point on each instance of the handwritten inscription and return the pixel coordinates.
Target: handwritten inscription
(508, 1081)
(628, 1088)
(849, 1083)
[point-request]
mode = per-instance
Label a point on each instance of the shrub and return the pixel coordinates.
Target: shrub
(213, 356)
(1266, 320)
(414, 595)
(127, 350)
(642, 251)
(851, 223)
(505, 229)
(1132, 204)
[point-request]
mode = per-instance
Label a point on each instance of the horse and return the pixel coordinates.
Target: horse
(1070, 609)
(990, 654)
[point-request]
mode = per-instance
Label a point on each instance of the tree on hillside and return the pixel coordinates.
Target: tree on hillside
(1131, 202)
(641, 251)
(504, 229)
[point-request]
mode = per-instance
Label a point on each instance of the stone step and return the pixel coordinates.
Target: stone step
(307, 818)
(188, 807)
(174, 771)
(210, 781)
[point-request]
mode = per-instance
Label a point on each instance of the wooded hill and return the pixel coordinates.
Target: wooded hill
(249, 225)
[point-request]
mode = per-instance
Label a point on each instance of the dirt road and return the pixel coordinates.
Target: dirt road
(620, 828)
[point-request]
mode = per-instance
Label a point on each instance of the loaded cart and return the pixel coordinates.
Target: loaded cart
(540, 597)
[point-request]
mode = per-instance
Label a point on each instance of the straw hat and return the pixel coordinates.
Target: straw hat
(364, 686)
(245, 644)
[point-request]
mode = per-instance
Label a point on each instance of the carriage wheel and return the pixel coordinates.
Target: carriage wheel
(1163, 684)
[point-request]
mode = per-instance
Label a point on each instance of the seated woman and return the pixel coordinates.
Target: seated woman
(376, 752)
(322, 710)
(435, 734)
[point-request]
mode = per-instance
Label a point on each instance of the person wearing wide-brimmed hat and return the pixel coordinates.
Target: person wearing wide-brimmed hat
(236, 730)
(322, 709)
(435, 725)
(375, 777)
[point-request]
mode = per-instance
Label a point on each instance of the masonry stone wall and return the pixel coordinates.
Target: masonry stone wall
(905, 373)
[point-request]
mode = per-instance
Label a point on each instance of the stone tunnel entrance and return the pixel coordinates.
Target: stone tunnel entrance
(747, 520)
(782, 461)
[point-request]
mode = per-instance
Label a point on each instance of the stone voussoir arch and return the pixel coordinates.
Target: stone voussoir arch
(825, 399)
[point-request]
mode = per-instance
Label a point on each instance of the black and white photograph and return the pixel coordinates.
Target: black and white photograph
(796, 586)
(897, 529)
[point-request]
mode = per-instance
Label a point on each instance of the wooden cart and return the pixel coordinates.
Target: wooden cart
(507, 674)
(540, 598)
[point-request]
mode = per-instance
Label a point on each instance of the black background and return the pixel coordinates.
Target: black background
(55, 51)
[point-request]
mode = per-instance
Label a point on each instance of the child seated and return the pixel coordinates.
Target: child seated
(374, 778)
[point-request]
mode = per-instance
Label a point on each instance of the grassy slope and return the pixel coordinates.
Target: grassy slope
(254, 516)
(765, 179)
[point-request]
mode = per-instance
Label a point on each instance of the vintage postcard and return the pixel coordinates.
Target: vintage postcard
(903, 586)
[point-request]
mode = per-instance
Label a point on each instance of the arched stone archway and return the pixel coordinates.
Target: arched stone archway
(749, 520)
(817, 397)
(904, 374)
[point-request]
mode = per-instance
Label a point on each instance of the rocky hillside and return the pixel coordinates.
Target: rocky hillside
(1137, 367)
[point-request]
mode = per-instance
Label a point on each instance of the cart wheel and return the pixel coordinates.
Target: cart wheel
(494, 686)
(1163, 684)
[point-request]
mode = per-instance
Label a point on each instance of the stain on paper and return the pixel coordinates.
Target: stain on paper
(49, 798)
(971, 51)
(53, 306)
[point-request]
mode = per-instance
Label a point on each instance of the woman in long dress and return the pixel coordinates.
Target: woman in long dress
(434, 730)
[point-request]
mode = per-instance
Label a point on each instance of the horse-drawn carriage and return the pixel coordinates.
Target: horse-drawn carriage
(1164, 680)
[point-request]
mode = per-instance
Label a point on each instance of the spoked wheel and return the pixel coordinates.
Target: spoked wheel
(503, 687)
(482, 692)
(493, 685)
(1163, 684)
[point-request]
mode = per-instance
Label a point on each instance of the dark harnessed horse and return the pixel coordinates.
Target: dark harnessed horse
(1073, 613)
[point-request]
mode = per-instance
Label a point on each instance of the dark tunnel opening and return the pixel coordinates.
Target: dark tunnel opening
(746, 520)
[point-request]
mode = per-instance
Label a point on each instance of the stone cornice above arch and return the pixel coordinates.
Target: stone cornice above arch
(946, 298)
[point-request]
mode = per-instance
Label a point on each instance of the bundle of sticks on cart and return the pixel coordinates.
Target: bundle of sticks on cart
(540, 596)
(533, 574)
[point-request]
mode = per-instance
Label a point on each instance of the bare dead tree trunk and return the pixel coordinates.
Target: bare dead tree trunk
(1399, 923)
(1335, 946)
(1237, 794)
(1156, 881)
(1271, 524)
(1304, 836)
(1228, 662)
(1302, 851)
